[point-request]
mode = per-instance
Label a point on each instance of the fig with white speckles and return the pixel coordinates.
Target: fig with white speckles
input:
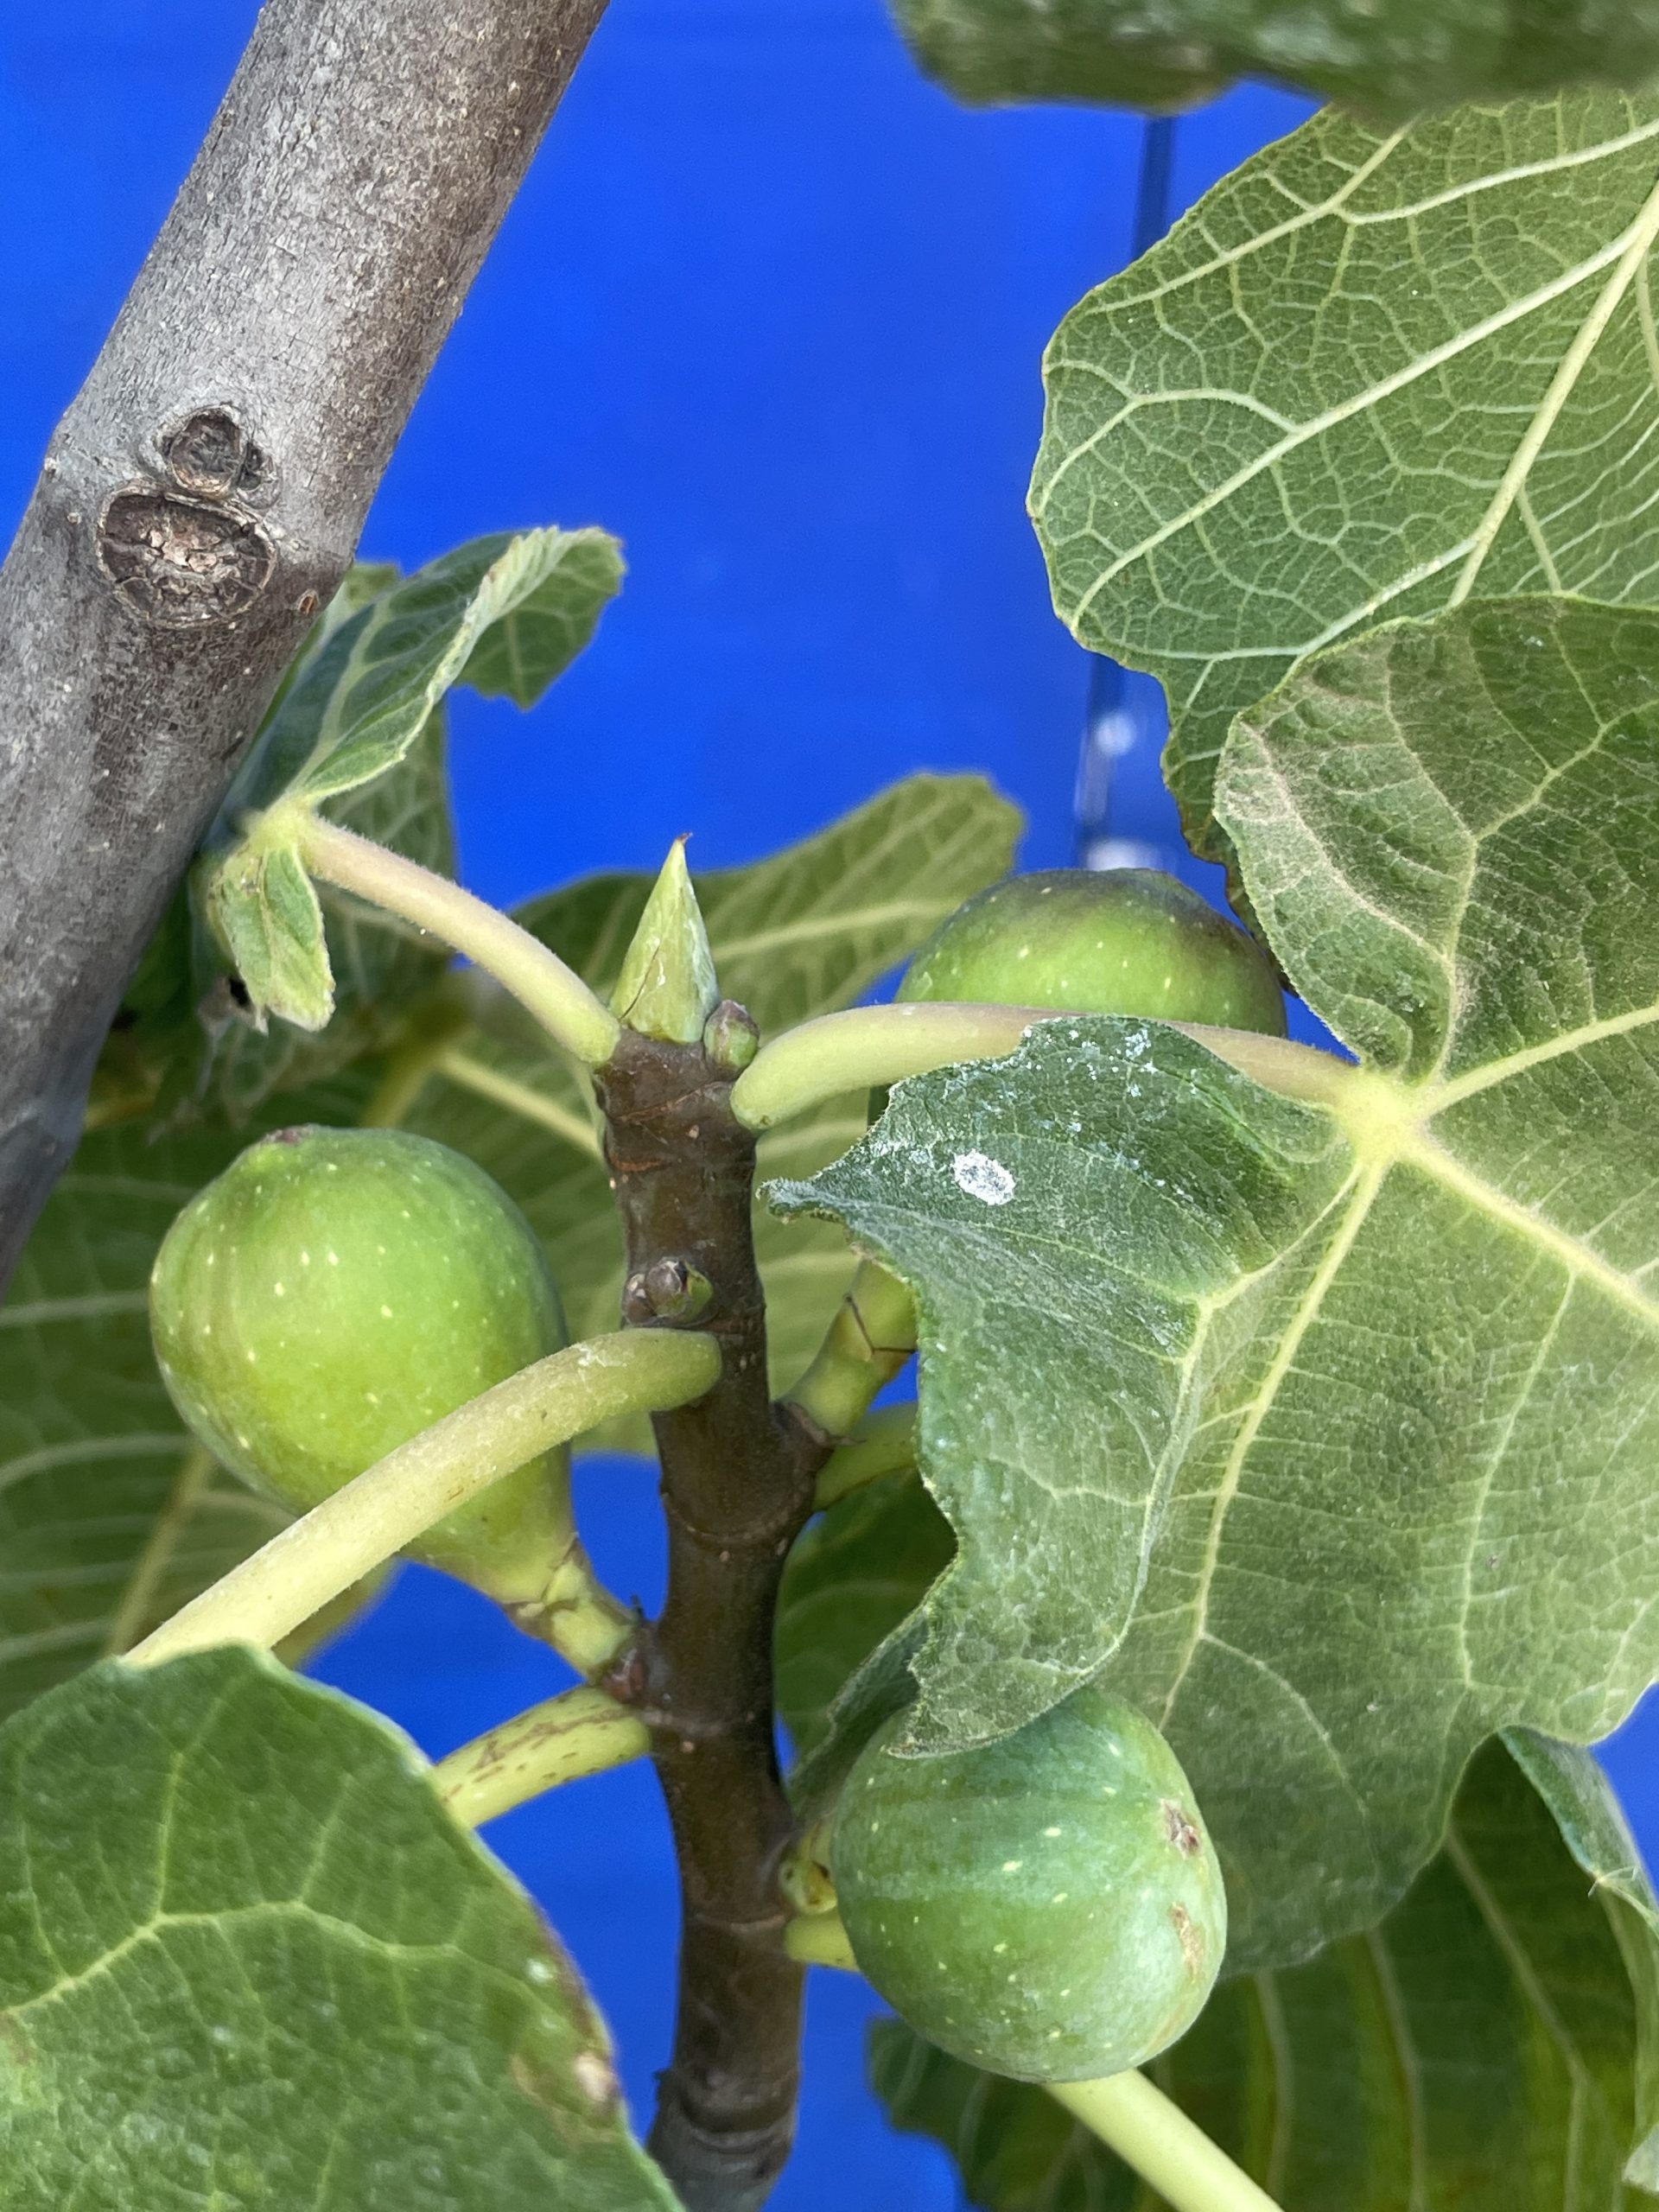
(1127, 941)
(333, 1293)
(1048, 1906)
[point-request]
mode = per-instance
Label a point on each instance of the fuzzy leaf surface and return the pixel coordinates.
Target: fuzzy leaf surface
(1372, 374)
(1326, 1430)
(1391, 60)
(521, 607)
(1483, 2049)
(247, 1959)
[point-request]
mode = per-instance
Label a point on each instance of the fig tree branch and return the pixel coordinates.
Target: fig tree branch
(202, 498)
(737, 1485)
(269, 1595)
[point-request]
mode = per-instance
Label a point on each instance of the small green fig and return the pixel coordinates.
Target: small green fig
(1047, 1906)
(336, 1290)
(1124, 941)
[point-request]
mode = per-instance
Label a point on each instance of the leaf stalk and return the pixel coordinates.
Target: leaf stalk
(270, 1594)
(538, 979)
(581, 1732)
(866, 1346)
(1150, 2133)
(884, 1444)
(870, 1046)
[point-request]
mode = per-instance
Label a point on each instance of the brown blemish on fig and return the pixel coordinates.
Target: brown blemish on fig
(1178, 1827)
(1190, 1937)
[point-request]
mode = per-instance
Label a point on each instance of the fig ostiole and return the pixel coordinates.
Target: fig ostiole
(1048, 1906)
(1127, 941)
(335, 1292)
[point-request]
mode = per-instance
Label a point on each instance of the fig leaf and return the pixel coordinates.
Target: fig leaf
(270, 1971)
(1284, 339)
(1394, 60)
(1327, 1432)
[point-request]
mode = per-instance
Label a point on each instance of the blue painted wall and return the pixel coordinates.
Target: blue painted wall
(772, 308)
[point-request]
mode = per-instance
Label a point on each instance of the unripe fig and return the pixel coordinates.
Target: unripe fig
(1125, 941)
(1048, 1906)
(336, 1290)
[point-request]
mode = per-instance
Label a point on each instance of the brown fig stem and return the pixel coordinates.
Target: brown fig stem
(737, 1485)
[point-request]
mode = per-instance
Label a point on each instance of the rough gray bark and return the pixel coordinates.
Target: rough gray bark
(202, 497)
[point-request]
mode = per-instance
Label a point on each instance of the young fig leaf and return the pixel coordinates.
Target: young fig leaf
(262, 907)
(667, 987)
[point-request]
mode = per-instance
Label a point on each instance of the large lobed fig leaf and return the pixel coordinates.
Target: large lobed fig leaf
(1487, 2048)
(1391, 60)
(1325, 1427)
(1371, 375)
(268, 1970)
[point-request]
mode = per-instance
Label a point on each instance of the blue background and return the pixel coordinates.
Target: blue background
(772, 308)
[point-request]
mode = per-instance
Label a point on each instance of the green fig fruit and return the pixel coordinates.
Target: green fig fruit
(333, 1293)
(1124, 941)
(1047, 1906)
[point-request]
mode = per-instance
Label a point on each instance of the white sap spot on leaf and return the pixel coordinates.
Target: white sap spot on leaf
(979, 1177)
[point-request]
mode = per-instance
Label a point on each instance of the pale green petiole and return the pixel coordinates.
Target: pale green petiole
(538, 979)
(868, 1045)
(874, 1045)
(1150, 2133)
(581, 1732)
(818, 1939)
(872, 1334)
(882, 1443)
(269, 1595)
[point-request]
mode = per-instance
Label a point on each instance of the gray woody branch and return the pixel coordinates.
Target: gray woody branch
(203, 496)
